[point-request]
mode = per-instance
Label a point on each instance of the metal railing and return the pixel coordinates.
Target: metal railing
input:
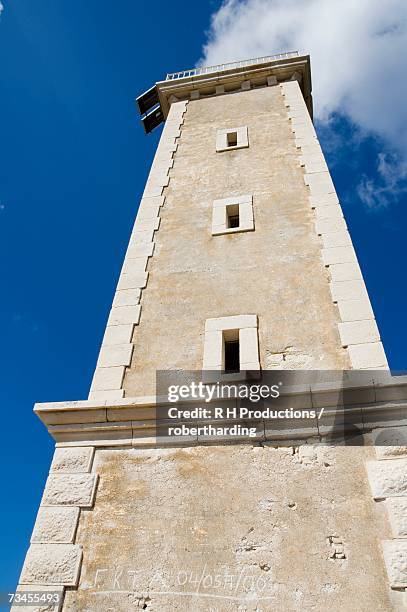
(229, 66)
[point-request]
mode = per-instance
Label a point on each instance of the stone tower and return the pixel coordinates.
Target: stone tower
(240, 258)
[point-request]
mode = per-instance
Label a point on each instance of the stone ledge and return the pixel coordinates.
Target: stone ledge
(141, 423)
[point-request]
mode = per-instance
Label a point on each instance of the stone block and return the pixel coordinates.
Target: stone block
(47, 564)
(213, 350)
(133, 265)
(358, 332)
(397, 513)
(328, 199)
(141, 236)
(68, 412)
(145, 225)
(97, 434)
(70, 490)
(348, 290)
(249, 348)
(118, 334)
(110, 395)
(355, 310)
(300, 118)
(72, 460)
(345, 271)
(55, 525)
(390, 442)
(132, 280)
(123, 315)
(144, 249)
(239, 199)
(395, 558)
(153, 201)
(105, 379)
(304, 131)
(312, 166)
(127, 297)
(339, 255)
(328, 212)
(388, 478)
(42, 590)
(164, 147)
(233, 322)
(300, 114)
(306, 141)
(393, 389)
(367, 356)
(319, 183)
(148, 212)
(152, 189)
(161, 166)
(312, 150)
(336, 239)
(117, 355)
(171, 131)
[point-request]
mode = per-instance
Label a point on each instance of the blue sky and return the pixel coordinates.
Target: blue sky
(73, 162)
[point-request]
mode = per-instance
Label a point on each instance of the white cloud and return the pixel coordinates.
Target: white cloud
(357, 53)
(390, 183)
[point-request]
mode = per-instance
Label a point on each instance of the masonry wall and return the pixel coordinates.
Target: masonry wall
(232, 528)
(275, 272)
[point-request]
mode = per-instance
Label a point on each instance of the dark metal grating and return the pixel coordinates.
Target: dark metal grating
(147, 100)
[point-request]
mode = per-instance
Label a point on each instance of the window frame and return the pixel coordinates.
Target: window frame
(217, 332)
(220, 218)
(242, 139)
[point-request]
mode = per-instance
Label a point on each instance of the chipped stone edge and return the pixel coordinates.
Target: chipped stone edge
(117, 346)
(357, 327)
(88, 467)
(394, 549)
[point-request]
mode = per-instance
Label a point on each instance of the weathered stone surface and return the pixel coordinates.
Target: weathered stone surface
(395, 557)
(397, 511)
(390, 442)
(166, 518)
(55, 524)
(70, 490)
(41, 589)
(72, 459)
(52, 564)
(388, 478)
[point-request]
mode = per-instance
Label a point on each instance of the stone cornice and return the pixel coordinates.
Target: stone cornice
(381, 402)
(297, 67)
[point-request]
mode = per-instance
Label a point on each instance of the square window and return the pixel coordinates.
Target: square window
(231, 350)
(229, 139)
(231, 215)
(231, 346)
